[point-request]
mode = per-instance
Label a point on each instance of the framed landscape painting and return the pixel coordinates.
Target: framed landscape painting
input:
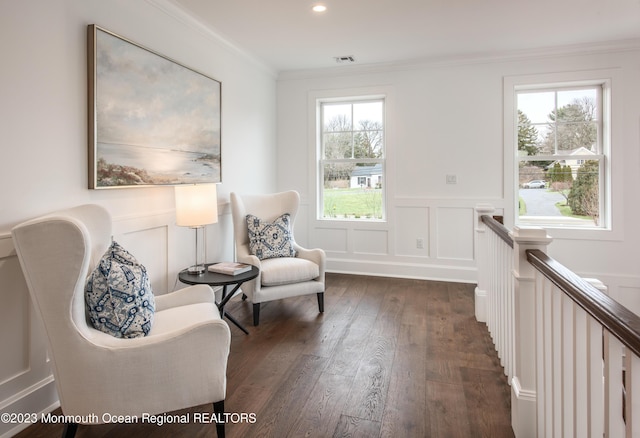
(152, 121)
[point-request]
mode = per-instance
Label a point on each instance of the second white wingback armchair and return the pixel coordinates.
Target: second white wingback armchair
(181, 363)
(280, 277)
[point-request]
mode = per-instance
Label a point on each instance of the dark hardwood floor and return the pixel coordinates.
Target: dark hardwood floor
(388, 358)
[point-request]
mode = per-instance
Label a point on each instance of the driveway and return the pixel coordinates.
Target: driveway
(541, 202)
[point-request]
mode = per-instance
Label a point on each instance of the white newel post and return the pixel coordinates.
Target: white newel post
(481, 261)
(523, 384)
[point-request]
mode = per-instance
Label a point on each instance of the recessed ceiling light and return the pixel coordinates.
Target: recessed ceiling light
(319, 8)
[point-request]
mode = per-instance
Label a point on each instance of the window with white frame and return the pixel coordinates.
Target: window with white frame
(561, 149)
(351, 158)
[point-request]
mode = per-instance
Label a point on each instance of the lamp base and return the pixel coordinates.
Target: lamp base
(196, 269)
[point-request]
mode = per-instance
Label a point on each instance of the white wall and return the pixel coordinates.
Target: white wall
(446, 117)
(43, 154)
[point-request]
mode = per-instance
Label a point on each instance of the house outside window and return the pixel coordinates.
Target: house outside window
(351, 159)
(562, 152)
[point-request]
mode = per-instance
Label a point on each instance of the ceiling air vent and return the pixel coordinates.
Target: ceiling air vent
(343, 59)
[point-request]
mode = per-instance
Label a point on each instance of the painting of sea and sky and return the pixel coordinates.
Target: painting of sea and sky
(154, 121)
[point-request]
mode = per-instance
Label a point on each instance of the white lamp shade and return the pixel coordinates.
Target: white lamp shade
(196, 205)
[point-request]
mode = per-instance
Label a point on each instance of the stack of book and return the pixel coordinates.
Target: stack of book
(229, 268)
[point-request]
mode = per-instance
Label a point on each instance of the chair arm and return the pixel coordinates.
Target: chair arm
(101, 340)
(250, 259)
(315, 255)
(200, 293)
(248, 288)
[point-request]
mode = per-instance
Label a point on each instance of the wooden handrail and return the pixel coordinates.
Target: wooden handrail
(498, 228)
(616, 318)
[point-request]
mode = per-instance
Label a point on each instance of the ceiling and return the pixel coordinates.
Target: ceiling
(287, 35)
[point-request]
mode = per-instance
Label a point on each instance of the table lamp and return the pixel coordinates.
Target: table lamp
(196, 206)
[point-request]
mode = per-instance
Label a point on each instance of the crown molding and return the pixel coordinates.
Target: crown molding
(181, 15)
(606, 47)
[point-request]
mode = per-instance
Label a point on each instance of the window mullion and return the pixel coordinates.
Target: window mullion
(555, 122)
(573, 126)
(353, 142)
(343, 169)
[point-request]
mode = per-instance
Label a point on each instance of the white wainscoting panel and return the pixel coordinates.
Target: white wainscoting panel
(149, 238)
(301, 229)
(14, 314)
(421, 238)
(370, 242)
(622, 288)
(26, 383)
(630, 297)
(150, 246)
(412, 224)
(455, 233)
(332, 240)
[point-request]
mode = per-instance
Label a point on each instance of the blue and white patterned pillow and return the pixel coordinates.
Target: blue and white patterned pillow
(118, 295)
(268, 240)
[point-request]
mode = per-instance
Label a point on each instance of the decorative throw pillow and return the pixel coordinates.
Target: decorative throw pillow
(118, 295)
(268, 240)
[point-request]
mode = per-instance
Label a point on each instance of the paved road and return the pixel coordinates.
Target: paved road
(541, 202)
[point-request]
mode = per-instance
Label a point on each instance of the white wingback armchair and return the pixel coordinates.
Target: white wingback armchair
(280, 277)
(181, 363)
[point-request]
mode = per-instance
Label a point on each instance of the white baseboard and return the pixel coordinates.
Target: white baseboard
(480, 299)
(523, 410)
(455, 274)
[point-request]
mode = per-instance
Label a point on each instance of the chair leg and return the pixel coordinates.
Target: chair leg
(218, 410)
(321, 302)
(69, 430)
(256, 313)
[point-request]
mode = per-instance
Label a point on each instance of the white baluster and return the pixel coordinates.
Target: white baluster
(633, 395)
(540, 358)
(614, 424)
(581, 373)
(568, 365)
(596, 384)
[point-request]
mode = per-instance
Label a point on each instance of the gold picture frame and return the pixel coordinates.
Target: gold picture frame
(152, 121)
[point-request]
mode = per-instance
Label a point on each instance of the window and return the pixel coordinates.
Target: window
(561, 150)
(351, 159)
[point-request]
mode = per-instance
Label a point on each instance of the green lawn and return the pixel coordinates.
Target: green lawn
(566, 211)
(353, 203)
